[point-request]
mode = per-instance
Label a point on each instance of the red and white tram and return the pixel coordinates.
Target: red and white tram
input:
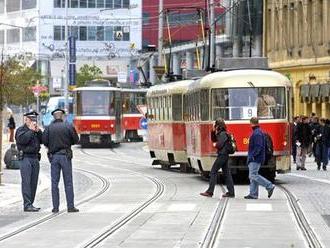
(237, 96)
(133, 108)
(166, 127)
(97, 114)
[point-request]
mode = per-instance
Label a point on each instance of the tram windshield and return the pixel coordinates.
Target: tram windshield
(244, 103)
(131, 100)
(95, 103)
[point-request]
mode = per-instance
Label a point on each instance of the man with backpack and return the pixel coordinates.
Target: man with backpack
(223, 142)
(256, 157)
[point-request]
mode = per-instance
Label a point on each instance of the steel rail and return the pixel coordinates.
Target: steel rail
(308, 233)
(217, 221)
(105, 186)
(103, 235)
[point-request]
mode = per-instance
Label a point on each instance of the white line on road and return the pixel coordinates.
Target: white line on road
(259, 207)
(311, 178)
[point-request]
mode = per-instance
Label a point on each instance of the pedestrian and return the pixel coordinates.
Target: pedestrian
(322, 145)
(296, 120)
(315, 129)
(256, 157)
(304, 139)
(28, 139)
(58, 137)
(11, 126)
(221, 139)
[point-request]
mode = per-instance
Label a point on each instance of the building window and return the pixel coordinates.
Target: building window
(109, 33)
(13, 36)
(29, 34)
(83, 33)
(310, 21)
(126, 33)
(100, 4)
(117, 4)
(13, 5)
(300, 24)
(29, 4)
(109, 4)
(2, 37)
(83, 3)
(2, 6)
(74, 31)
(74, 4)
(91, 3)
(91, 31)
(59, 32)
(100, 33)
(125, 4)
(59, 3)
(320, 21)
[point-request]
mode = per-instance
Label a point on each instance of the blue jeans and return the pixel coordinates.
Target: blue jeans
(256, 180)
(321, 154)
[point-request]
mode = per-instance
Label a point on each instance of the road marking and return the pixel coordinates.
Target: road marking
(259, 207)
(110, 208)
(181, 207)
(311, 178)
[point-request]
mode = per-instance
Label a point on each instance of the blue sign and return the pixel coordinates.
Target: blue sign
(72, 74)
(143, 123)
(72, 49)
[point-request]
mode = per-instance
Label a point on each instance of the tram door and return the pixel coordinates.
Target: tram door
(118, 113)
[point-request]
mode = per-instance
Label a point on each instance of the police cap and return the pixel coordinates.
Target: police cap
(58, 110)
(31, 115)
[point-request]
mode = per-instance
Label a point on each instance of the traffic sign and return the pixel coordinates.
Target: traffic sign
(72, 74)
(72, 49)
(143, 123)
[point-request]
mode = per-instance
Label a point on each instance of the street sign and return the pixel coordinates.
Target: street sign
(119, 35)
(143, 123)
(72, 49)
(72, 74)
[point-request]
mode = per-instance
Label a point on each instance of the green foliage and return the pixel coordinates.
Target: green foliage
(87, 73)
(17, 80)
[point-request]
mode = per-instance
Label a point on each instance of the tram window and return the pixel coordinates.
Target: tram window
(244, 103)
(94, 103)
(204, 105)
(177, 107)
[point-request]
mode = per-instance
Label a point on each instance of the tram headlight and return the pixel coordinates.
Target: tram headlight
(285, 143)
(112, 126)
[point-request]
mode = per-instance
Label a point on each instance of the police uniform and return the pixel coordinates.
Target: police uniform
(28, 144)
(59, 136)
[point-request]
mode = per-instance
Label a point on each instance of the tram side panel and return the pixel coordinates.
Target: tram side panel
(201, 152)
(166, 143)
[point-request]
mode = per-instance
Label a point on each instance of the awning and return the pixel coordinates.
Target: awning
(325, 90)
(305, 90)
(315, 90)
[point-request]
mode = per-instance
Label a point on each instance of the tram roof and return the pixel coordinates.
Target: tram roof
(134, 90)
(242, 78)
(178, 87)
(96, 88)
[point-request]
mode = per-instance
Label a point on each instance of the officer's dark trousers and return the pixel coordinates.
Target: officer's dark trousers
(29, 167)
(62, 163)
(221, 162)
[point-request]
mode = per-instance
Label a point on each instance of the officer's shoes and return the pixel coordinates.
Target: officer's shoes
(55, 210)
(73, 210)
(31, 209)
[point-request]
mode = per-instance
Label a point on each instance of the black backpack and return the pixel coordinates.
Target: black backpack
(269, 149)
(231, 144)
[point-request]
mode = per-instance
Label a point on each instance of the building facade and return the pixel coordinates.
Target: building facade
(297, 43)
(108, 34)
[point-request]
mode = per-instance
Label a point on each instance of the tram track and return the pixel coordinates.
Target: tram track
(213, 230)
(309, 235)
(105, 186)
(111, 229)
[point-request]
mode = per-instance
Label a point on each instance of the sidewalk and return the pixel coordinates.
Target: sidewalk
(10, 189)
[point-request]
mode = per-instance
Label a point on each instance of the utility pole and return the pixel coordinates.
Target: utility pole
(160, 32)
(66, 39)
(1, 109)
(212, 33)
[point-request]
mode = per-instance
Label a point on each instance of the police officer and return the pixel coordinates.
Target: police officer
(59, 136)
(28, 139)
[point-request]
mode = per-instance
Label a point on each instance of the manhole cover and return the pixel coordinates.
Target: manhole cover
(327, 219)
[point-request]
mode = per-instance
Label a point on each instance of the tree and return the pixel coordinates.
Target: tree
(87, 73)
(16, 79)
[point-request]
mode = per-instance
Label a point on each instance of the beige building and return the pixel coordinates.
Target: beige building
(297, 43)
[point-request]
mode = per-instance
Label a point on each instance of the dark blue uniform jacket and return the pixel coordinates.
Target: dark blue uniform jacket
(27, 140)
